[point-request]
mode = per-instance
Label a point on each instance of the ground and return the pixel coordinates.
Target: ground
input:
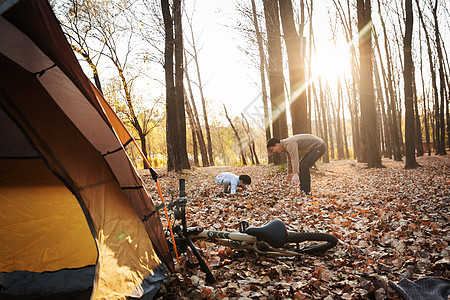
(391, 223)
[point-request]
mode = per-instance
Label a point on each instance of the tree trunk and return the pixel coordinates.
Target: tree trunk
(369, 127)
(418, 127)
(408, 84)
(198, 127)
(251, 146)
(193, 126)
(179, 87)
(425, 101)
(205, 114)
(441, 114)
(309, 86)
(392, 110)
(329, 121)
(298, 105)
(276, 78)
(175, 113)
(337, 120)
(326, 156)
(319, 128)
(262, 73)
(436, 127)
(241, 151)
(387, 143)
(386, 111)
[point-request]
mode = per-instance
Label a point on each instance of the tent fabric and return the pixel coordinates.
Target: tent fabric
(32, 38)
(52, 119)
(68, 284)
(48, 283)
(426, 288)
(126, 254)
(33, 199)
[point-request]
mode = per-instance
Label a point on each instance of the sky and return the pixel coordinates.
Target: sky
(227, 74)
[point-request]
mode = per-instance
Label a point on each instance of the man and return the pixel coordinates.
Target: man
(307, 145)
(230, 182)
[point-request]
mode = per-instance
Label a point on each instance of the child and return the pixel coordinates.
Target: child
(230, 182)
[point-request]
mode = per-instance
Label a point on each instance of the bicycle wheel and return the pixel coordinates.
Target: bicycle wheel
(310, 242)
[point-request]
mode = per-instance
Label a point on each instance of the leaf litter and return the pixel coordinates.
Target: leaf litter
(391, 223)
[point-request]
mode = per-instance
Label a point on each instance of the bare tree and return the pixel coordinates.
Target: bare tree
(241, 146)
(393, 123)
(440, 127)
(198, 128)
(276, 78)
(193, 126)
(118, 43)
(369, 127)
(424, 99)
(194, 55)
(262, 72)
(175, 119)
(408, 80)
(324, 123)
(77, 23)
(251, 145)
(298, 105)
(433, 77)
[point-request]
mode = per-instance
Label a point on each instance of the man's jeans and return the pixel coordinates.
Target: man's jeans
(307, 162)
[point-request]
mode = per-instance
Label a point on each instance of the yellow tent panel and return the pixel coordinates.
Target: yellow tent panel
(34, 200)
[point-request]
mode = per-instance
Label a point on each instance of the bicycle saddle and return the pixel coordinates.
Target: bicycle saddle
(274, 233)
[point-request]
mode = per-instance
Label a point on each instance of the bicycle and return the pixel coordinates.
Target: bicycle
(272, 239)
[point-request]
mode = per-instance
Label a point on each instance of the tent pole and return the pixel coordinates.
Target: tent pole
(155, 178)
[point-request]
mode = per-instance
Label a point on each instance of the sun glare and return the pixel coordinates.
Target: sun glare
(330, 64)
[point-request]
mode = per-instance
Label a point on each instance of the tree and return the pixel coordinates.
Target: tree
(251, 144)
(276, 78)
(236, 134)
(193, 126)
(440, 127)
(424, 99)
(177, 158)
(262, 73)
(389, 79)
(298, 104)
(371, 145)
(433, 79)
(200, 87)
(408, 81)
(77, 23)
(117, 43)
(196, 120)
(324, 123)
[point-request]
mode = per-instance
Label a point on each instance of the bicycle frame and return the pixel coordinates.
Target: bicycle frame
(241, 241)
(270, 240)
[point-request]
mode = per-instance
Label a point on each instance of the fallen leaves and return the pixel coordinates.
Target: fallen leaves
(391, 224)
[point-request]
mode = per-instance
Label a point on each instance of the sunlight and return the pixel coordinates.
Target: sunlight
(331, 63)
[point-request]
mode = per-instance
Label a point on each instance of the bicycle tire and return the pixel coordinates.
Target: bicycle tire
(325, 242)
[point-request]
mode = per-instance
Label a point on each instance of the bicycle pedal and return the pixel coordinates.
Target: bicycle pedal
(239, 254)
(263, 247)
(243, 225)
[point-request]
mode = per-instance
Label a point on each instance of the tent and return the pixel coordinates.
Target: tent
(74, 214)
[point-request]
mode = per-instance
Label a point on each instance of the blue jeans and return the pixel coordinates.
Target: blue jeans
(307, 162)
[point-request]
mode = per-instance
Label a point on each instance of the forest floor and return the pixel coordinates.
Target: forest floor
(391, 224)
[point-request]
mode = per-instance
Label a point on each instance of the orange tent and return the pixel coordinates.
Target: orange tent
(71, 203)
